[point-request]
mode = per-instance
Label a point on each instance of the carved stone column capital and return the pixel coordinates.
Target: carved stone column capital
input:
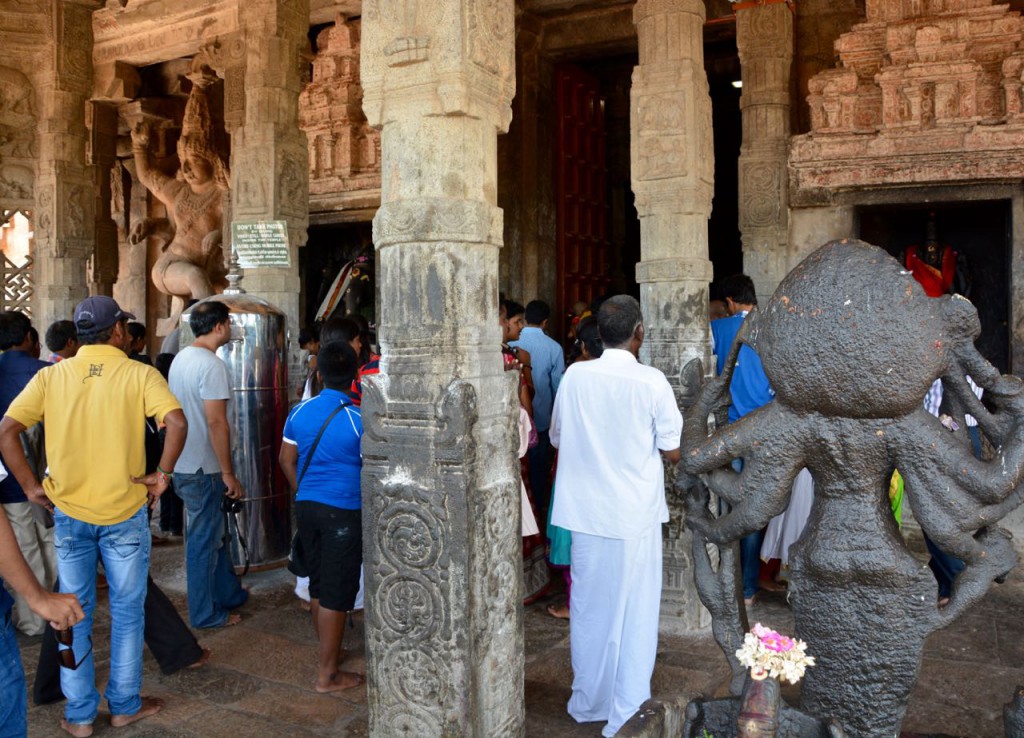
(464, 65)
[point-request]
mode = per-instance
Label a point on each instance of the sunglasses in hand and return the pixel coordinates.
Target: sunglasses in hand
(67, 655)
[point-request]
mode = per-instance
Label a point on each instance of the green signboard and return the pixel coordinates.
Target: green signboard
(261, 243)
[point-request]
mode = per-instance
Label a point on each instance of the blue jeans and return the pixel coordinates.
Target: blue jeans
(213, 589)
(975, 434)
(944, 566)
(124, 550)
(750, 552)
(13, 705)
(539, 459)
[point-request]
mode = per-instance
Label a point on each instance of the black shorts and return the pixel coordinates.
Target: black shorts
(332, 546)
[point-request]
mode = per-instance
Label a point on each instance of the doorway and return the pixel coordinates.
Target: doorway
(981, 234)
(328, 250)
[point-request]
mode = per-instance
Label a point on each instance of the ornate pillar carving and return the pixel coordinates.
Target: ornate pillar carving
(764, 35)
(64, 188)
(344, 150)
(442, 557)
(263, 69)
(673, 176)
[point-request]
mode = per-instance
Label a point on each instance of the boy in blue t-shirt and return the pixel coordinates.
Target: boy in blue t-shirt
(322, 461)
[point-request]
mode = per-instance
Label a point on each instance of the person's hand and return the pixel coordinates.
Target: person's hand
(140, 133)
(61, 610)
(37, 495)
(234, 487)
(156, 484)
(212, 241)
(141, 230)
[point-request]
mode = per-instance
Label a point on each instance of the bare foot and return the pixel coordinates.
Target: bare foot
(150, 706)
(304, 605)
(76, 729)
(233, 619)
(341, 680)
(201, 661)
(559, 611)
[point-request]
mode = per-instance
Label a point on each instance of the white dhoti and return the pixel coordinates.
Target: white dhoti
(786, 528)
(613, 625)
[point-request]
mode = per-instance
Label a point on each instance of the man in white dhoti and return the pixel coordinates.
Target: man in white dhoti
(613, 422)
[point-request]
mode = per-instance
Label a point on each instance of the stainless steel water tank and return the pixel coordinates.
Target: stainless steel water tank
(257, 361)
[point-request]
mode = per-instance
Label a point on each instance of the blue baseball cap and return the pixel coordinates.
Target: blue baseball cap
(97, 313)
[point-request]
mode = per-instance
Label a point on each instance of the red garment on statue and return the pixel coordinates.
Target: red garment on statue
(935, 283)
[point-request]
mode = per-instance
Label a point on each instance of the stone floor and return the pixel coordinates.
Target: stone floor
(258, 682)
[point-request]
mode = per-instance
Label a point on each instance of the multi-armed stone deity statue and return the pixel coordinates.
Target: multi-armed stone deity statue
(192, 263)
(851, 344)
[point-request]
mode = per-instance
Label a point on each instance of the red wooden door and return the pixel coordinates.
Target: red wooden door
(581, 190)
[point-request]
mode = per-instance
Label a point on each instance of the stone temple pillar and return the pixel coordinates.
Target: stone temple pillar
(64, 200)
(764, 35)
(673, 177)
(441, 521)
(263, 67)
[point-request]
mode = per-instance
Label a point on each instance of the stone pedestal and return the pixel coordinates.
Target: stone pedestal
(673, 171)
(64, 198)
(442, 546)
(764, 36)
(262, 66)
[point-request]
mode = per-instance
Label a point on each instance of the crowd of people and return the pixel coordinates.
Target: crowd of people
(94, 437)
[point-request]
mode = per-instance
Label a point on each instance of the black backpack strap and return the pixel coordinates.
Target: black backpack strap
(316, 442)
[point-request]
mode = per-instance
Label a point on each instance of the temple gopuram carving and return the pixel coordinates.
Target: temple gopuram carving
(925, 91)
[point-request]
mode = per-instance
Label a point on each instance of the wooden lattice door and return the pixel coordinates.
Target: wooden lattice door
(581, 189)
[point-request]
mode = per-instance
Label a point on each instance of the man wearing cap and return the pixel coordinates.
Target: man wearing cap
(94, 406)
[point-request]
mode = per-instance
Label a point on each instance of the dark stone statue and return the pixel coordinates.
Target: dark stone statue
(851, 344)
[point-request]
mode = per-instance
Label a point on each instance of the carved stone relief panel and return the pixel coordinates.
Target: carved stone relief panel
(18, 146)
(931, 88)
(344, 157)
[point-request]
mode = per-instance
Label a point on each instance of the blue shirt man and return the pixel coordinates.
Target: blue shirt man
(333, 475)
(750, 390)
(749, 386)
(321, 459)
(547, 364)
(16, 369)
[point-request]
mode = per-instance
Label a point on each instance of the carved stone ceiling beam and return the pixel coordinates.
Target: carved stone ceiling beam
(144, 33)
(325, 11)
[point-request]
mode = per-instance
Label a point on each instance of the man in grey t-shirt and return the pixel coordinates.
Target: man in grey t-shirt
(204, 474)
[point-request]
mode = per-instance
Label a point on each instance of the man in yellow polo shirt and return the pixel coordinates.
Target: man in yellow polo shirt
(94, 406)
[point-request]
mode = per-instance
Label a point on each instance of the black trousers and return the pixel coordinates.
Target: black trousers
(169, 639)
(172, 512)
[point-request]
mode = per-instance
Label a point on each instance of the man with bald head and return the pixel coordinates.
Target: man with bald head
(614, 422)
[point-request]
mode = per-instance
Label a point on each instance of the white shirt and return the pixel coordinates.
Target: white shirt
(611, 418)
